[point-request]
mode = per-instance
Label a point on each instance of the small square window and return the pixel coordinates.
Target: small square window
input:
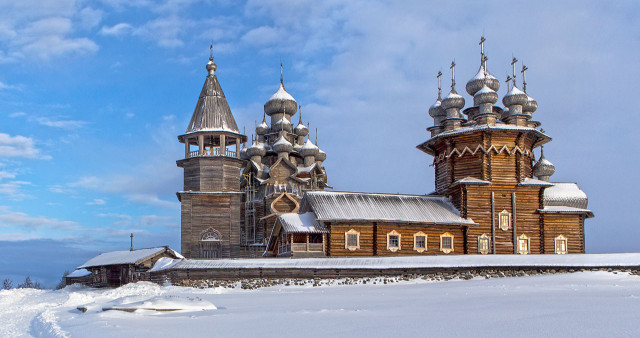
(394, 241)
(446, 243)
(421, 242)
(352, 240)
(523, 244)
(561, 245)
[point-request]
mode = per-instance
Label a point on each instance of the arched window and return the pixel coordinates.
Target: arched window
(210, 235)
(561, 245)
(483, 244)
(504, 220)
(523, 244)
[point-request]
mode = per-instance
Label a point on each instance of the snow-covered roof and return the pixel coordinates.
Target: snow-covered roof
(281, 95)
(565, 194)
(399, 262)
(126, 257)
(79, 273)
(471, 180)
(301, 223)
(354, 206)
(565, 210)
(534, 182)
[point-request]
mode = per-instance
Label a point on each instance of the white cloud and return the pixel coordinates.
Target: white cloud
(89, 17)
(165, 31)
(19, 146)
(4, 86)
(10, 218)
(262, 36)
(6, 174)
(97, 201)
(59, 122)
(120, 29)
(17, 114)
(13, 190)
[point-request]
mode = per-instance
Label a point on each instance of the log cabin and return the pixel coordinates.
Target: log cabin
(492, 196)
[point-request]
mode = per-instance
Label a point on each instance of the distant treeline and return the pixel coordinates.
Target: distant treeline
(7, 283)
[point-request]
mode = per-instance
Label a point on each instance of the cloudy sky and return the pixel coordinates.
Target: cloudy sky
(93, 95)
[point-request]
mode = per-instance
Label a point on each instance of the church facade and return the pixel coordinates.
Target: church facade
(271, 198)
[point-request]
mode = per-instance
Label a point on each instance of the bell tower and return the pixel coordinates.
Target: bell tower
(211, 198)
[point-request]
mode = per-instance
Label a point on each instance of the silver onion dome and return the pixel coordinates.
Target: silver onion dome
(282, 145)
(211, 66)
(283, 124)
(262, 128)
(309, 149)
(453, 100)
(256, 149)
(543, 169)
(476, 82)
(321, 155)
(243, 153)
(485, 95)
(515, 96)
(301, 129)
(436, 109)
(281, 102)
(531, 105)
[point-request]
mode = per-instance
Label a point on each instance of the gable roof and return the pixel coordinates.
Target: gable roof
(301, 223)
(352, 206)
(126, 257)
(212, 112)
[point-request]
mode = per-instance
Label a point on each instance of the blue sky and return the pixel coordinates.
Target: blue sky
(94, 93)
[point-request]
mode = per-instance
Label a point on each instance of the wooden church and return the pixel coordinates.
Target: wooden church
(270, 198)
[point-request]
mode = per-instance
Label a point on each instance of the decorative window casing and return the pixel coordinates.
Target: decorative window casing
(420, 241)
(504, 220)
(210, 235)
(352, 240)
(483, 244)
(446, 242)
(393, 241)
(523, 244)
(560, 245)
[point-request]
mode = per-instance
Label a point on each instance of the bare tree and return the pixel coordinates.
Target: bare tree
(7, 284)
(63, 282)
(28, 284)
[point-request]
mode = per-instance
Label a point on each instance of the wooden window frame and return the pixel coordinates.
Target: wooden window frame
(346, 240)
(394, 248)
(484, 238)
(560, 238)
(443, 249)
(415, 241)
(522, 239)
(504, 220)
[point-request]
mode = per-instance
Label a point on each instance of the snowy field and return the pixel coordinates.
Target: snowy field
(574, 304)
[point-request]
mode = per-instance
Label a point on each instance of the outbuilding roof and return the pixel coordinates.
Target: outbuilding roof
(301, 223)
(354, 206)
(126, 257)
(565, 194)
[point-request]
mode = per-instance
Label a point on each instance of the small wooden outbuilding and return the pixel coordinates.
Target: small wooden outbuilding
(117, 268)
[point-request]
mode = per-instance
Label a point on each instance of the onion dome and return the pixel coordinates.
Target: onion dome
(543, 169)
(531, 105)
(283, 124)
(297, 147)
(282, 145)
(453, 100)
(309, 149)
(243, 153)
(485, 95)
(436, 109)
(281, 102)
(301, 129)
(479, 80)
(321, 155)
(515, 97)
(211, 66)
(262, 128)
(256, 149)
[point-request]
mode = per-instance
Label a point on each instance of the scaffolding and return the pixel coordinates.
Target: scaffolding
(249, 212)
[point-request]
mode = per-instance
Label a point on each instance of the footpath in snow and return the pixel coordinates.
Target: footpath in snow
(593, 303)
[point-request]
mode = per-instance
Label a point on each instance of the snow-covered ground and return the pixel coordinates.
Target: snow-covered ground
(573, 304)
